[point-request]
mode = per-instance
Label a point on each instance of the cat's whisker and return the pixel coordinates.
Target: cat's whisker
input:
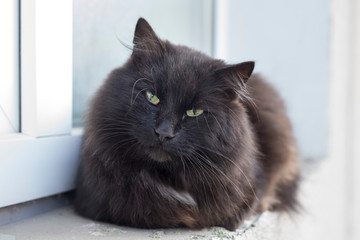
(229, 180)
(120, 144)
(113, 128)
(132, 101)
(144, 89)
(203, 179)
(207, 166)
(115, 122)
(113, 132)
(133, 88)
(123, 43)
(235, 165)
(217, 121)
(130, 148)
(229, 109)
(208, 126)
(208, 173)
(245, 97)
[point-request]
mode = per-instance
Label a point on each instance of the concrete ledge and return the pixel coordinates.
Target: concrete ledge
(319, 220)
(65, 224)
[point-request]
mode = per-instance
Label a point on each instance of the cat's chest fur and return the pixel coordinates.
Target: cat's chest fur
(182, 198)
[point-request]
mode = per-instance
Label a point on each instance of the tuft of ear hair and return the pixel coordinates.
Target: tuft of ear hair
(233, 78)
(241, 71)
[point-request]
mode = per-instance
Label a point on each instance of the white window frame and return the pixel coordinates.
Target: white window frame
(9, 62)
(344, 118)
(42, 160)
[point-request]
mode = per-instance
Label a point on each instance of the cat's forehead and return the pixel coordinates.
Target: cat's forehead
(180, 75)
(183, 75)
(186, 68)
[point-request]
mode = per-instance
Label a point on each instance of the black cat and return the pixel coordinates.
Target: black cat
(176, 138)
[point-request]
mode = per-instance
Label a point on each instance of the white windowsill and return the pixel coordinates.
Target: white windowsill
(36, 167)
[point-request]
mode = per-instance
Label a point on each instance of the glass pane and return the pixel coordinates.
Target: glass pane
(9, 67)
(99, 24)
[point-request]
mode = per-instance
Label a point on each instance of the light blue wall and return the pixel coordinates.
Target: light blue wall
(289, 41)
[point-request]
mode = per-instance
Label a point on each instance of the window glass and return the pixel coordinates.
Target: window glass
(99, 25)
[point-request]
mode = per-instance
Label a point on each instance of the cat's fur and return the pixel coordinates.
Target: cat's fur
(150, 166)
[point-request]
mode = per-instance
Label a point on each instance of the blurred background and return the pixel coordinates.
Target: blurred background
(309, 50)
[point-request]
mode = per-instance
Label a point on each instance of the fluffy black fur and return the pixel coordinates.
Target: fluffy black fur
(149, 166)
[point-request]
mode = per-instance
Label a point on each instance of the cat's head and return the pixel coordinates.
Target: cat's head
(171, 102)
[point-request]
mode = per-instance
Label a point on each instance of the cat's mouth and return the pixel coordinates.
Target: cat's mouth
(159, 155)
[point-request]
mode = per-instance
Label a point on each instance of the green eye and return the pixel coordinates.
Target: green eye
(152, 98)
(194, 113)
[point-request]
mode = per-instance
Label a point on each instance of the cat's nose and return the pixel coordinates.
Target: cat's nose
(165, 131)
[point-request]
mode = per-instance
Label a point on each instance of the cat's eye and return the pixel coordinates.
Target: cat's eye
(152, 98)
(194, 112)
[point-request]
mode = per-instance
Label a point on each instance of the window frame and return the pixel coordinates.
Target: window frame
(42, 159)
(9, 60)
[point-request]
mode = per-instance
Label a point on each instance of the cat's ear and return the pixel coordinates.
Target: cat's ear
(240, 72)
(145, 39)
